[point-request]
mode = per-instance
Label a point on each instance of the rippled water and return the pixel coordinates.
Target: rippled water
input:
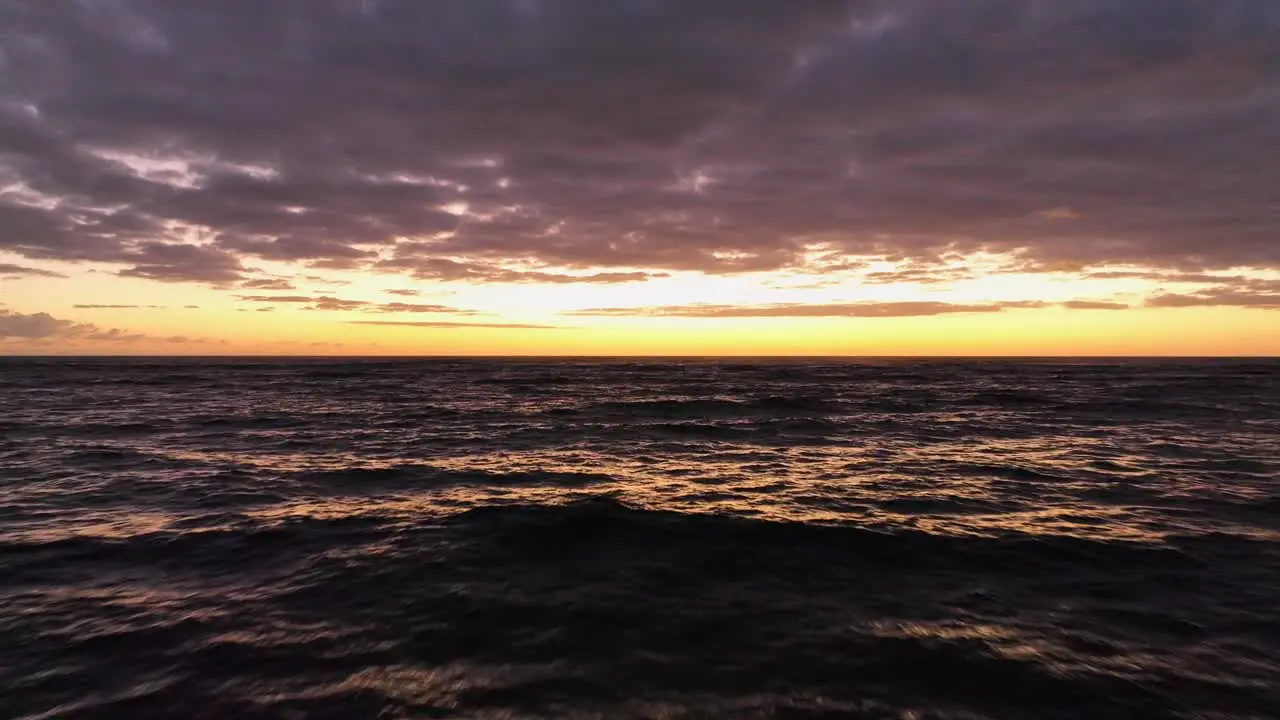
(510, 539)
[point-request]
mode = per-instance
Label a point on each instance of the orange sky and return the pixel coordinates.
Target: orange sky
(992, 314)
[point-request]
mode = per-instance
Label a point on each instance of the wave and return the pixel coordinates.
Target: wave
(717, 407)
(797, 404)
(94, 456)
(111, 430)
(251, 422)
(1011, 472)
(536, 380)
(1008, 399)
(707, 431)
(547, 609)
(604, 524)
(670, 408)
(550, 539)
(589, 523)
(423, 477)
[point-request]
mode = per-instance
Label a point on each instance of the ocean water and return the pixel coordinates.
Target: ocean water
(657, 539)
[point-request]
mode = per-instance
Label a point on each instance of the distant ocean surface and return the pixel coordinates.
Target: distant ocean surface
(658, 539)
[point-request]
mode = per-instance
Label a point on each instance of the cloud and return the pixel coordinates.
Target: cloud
(324, 280)
(399, 307)
(169, 262)
(118, 307)
(1163, 277)
(606, 142)
(114, 335)
(1059, 214)
(441, 324)
(314, 303)
(43, 327)
(1225, 296)
(38, 326)
(321, 302)
(851, 310)
(923, 275)
(267, 284)
(12, 272)
(286, 299)
(1094, 305)
(337, 304)
(405, 293)
(445, 269)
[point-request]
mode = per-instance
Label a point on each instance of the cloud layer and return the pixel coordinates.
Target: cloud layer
(43, 328)
(324, 302)
(447, 325)
(563, 141)
(9, 271)
(778, 310)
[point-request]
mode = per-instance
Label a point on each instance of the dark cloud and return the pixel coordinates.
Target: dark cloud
(599, 141)
(442, 324)
(181, 263)
(859, 310)
(405, 293)
(12, 272)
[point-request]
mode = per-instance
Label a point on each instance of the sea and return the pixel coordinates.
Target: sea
(639, 538)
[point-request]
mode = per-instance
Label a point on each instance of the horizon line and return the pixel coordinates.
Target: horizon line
(516, 356)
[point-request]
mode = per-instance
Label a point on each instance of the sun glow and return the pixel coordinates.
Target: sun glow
(965, 307)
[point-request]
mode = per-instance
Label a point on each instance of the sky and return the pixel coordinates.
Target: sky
(640, 177)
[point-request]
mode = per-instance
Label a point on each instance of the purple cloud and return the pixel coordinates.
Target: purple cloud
(10, 271)
(43, 327)
(610, 142)
(1217, 297)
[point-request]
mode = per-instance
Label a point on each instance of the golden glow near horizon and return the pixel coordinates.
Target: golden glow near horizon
(684, 314)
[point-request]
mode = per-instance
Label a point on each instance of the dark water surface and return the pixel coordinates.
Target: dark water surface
(511, 539)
